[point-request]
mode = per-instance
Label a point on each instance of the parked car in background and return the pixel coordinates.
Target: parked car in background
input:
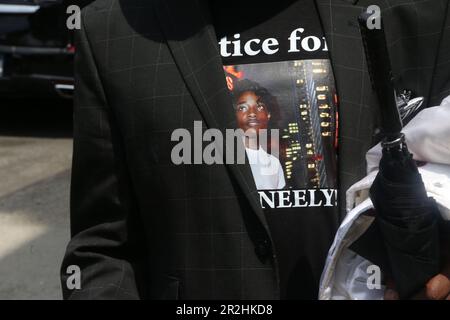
(36, 49)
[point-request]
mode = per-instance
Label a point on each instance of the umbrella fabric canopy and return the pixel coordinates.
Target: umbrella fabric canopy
(407, 221)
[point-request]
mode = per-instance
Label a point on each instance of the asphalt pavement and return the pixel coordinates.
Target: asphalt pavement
(35, 161)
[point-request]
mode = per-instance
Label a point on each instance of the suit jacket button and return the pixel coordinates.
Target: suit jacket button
(262, 250)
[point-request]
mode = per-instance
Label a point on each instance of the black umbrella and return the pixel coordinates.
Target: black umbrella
(406, 218)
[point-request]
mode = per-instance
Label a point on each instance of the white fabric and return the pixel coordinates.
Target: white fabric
(351, 278)
(334, 283)
(266, 169)
(428, 136)
(436, 178)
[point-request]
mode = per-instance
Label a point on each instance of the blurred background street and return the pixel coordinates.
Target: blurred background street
(36, 87)
(35, 160)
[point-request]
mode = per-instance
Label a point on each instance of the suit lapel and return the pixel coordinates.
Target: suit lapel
(192, 41)
(356, 100)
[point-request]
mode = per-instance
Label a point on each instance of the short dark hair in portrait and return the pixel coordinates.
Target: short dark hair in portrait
(266, 96)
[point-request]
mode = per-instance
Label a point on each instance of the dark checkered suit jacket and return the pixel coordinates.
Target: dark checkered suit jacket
(145, 228)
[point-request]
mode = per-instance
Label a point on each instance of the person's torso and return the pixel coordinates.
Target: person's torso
(277, 50)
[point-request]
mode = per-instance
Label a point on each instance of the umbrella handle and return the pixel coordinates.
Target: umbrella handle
(380, 72)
